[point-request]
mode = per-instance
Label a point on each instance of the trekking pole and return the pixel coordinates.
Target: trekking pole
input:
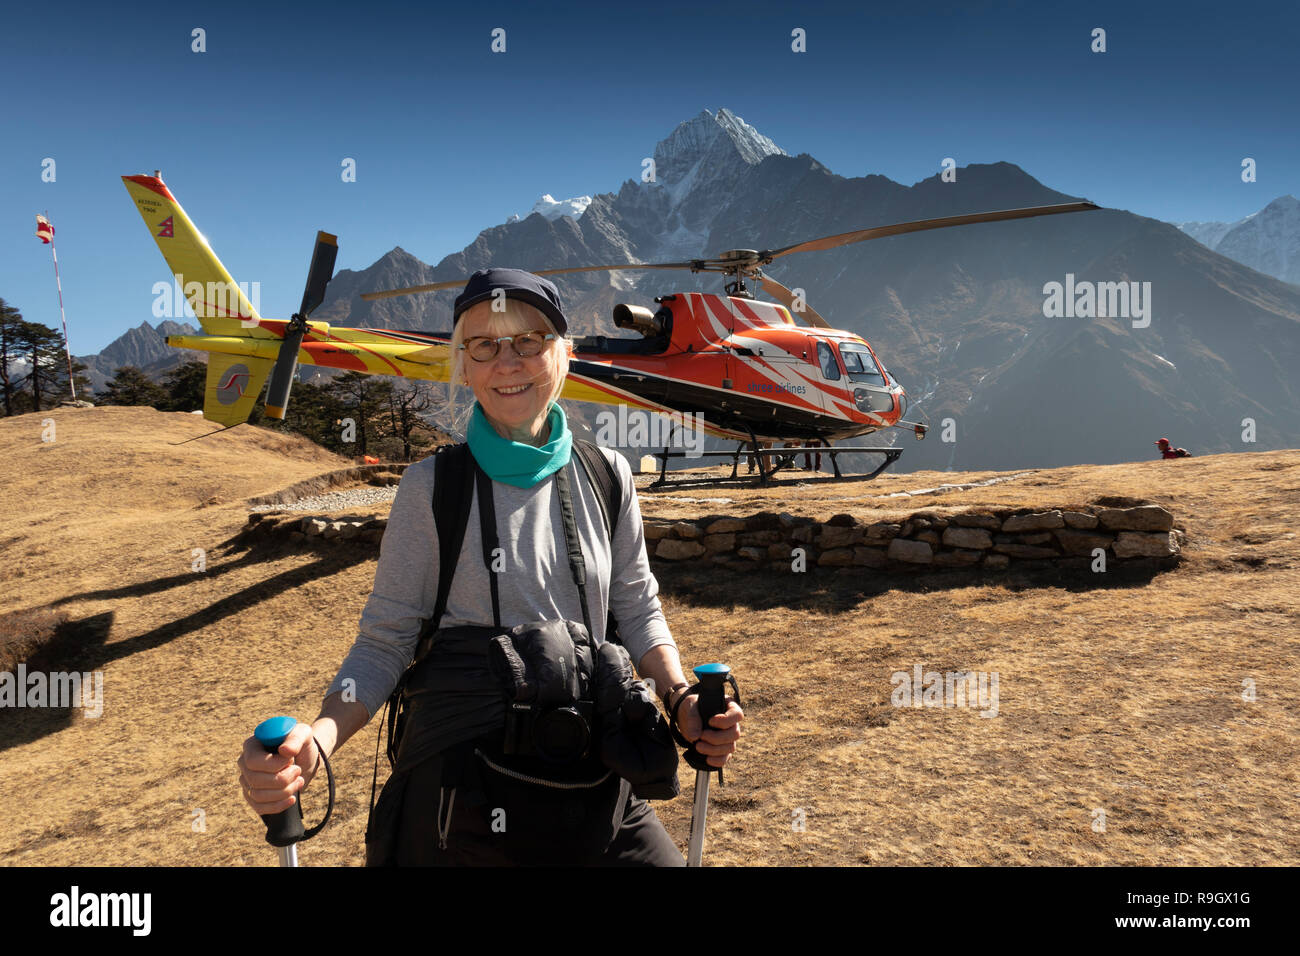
(711, 680)
(284, 830)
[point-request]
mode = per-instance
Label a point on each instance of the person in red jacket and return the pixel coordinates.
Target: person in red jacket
(1167, 452)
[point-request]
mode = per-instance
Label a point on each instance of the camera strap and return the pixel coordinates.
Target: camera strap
(573, 544)
(487, 523)
(576, 563)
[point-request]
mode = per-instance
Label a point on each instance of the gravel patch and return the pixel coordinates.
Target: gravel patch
(337, 500)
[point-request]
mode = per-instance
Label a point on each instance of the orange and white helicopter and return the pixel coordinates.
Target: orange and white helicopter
(743, 369)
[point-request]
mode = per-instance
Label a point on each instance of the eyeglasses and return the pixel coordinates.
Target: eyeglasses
(482, 348)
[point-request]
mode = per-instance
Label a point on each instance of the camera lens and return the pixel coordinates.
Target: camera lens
(561, 735)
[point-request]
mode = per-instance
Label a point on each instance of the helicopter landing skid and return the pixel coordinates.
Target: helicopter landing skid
(768, 469)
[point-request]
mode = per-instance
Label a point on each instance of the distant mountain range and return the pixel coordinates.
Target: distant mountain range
(145, 347)
(1268, 241)
(958, 314)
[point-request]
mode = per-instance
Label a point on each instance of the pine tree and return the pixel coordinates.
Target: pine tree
(185, 386)
(11, 321)
(130, 386)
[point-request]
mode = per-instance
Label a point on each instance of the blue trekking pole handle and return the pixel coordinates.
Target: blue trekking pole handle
(284, 830)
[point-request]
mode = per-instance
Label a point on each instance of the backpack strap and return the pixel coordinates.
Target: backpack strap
(609, 495)
(604, 479)
(453, 490)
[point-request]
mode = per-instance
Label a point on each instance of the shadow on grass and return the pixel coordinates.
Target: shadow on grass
(836, 591)
(331, 559)
(81, 645)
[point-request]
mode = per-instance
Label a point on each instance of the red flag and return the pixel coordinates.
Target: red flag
(44, 231)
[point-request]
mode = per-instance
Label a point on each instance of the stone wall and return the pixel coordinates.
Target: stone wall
(992, 540)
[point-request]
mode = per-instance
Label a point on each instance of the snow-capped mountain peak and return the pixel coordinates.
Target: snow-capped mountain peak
(553, 208)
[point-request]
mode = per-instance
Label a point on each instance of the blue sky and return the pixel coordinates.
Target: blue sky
(450, 138)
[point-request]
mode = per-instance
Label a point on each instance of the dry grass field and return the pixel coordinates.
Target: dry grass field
(1118, 696)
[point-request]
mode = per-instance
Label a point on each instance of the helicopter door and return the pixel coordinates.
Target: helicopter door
(829, 367)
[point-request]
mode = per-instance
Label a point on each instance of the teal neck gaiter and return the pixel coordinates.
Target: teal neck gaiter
(512, 462)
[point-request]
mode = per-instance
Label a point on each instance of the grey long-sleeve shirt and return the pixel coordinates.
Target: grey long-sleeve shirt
(535, 584)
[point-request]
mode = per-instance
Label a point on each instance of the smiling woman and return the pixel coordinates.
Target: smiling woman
(514, 391)
(516, 666)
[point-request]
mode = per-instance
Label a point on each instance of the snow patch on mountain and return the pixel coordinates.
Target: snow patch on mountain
(552, 208)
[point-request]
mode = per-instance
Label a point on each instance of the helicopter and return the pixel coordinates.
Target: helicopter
(743, 368)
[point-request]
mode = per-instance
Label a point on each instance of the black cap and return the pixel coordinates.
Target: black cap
(540, 293)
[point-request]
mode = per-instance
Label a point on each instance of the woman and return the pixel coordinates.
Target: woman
(509, 348)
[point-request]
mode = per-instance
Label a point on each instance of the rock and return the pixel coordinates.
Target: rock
(671, 549)
(1082, 542)
(1025, 551)
(752, 554)
(686, 530)
(881, 532)
(842, 521)
(655, 532)
(987, 522)
(838, 536)
(786, 520)
(332, 530)
(804, 535)
(763, 521)
(1041, 521)
(957, 559)
(936, 521)
(996, 562)
(1038, 537)
(959, 537)
(1143, 518)
(973, 520)
(718, 542)
(1077, 519)
(836, 557)
(373, 536)
(1135, 544)
(314, 526)
(910, 552)
(920, 524)
(752, 539)
(869, 557)
(725, 526)
(780, 552)
(297, 537)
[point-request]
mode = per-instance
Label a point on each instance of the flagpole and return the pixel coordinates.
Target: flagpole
(62, 315)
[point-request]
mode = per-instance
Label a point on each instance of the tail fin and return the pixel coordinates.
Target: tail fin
(221, 306)
(233, 386)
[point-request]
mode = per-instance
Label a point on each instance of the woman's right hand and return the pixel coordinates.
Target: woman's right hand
(270, 782)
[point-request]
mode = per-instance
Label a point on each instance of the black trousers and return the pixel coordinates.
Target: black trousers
(432, 813)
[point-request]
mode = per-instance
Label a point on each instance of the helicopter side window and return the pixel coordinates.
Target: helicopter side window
(826, 358)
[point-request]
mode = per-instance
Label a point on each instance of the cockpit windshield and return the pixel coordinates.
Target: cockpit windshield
(860, 363)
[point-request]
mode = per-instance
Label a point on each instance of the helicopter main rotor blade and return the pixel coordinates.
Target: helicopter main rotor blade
(786, 298)
(920, 225)
(735, 266)
(694, 266)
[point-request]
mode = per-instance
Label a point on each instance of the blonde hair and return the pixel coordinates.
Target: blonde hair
(517, 317)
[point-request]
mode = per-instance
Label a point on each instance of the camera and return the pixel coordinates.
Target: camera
(545, 669)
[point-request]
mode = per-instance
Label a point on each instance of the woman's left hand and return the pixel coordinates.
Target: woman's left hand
(718, 742)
